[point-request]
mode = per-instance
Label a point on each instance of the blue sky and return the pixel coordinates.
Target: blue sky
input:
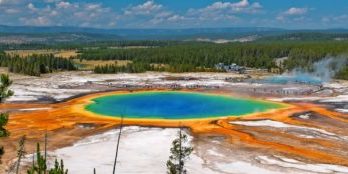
(292, 14)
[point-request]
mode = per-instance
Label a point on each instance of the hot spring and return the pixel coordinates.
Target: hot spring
(294, 79)
(176, 105)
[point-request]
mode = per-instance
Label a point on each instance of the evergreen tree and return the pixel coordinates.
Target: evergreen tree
(180, 152)
(58, 168)
(5, 83)
(3, 122)
(40, 166)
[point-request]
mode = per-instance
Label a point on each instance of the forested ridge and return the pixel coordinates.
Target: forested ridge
(179, 56)
(203, 56)
(139, 67)
(88, 45)
(307, 36)
(35, 65)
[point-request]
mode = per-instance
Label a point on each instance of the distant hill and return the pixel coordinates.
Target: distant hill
(51, 38)
(146, 34)
(52, 34)
(124, 32)
(334, 35)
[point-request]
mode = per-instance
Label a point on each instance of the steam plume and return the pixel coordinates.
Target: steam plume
(321, 71)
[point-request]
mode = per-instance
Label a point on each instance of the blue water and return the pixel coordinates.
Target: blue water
(175, 105)
(294, 79)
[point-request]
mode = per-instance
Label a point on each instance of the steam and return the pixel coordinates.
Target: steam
(321, 71)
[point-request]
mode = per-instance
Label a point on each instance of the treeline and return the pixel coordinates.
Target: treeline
(84, 45)
(143, 67)
(307, 36)
(129, 68)
(342, 74)
(177, 56)
(35, 65)
(206, 55)
(306, 54)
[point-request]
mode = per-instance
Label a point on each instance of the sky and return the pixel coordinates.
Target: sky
(289, 14)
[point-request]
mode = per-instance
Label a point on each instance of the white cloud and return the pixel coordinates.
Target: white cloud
(56, 12)
(167, 18)
(296, 11)
(224, 10)
(41, 20)
(63, 4)
(51, 1)
(293, 13)
(112, 23)
(242, 6)
(91, 7)
(149, 14)
(31, 6)
(37, 21)
(176, 18)
(11, 11)
(152, 14)
(256, 5)
(340, 19)
(53, 13)
(147, 8)
(6, 2)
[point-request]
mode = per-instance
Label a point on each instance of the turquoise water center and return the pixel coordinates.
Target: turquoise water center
(176, 105)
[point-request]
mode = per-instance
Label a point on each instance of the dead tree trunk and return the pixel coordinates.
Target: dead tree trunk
(117, 146)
